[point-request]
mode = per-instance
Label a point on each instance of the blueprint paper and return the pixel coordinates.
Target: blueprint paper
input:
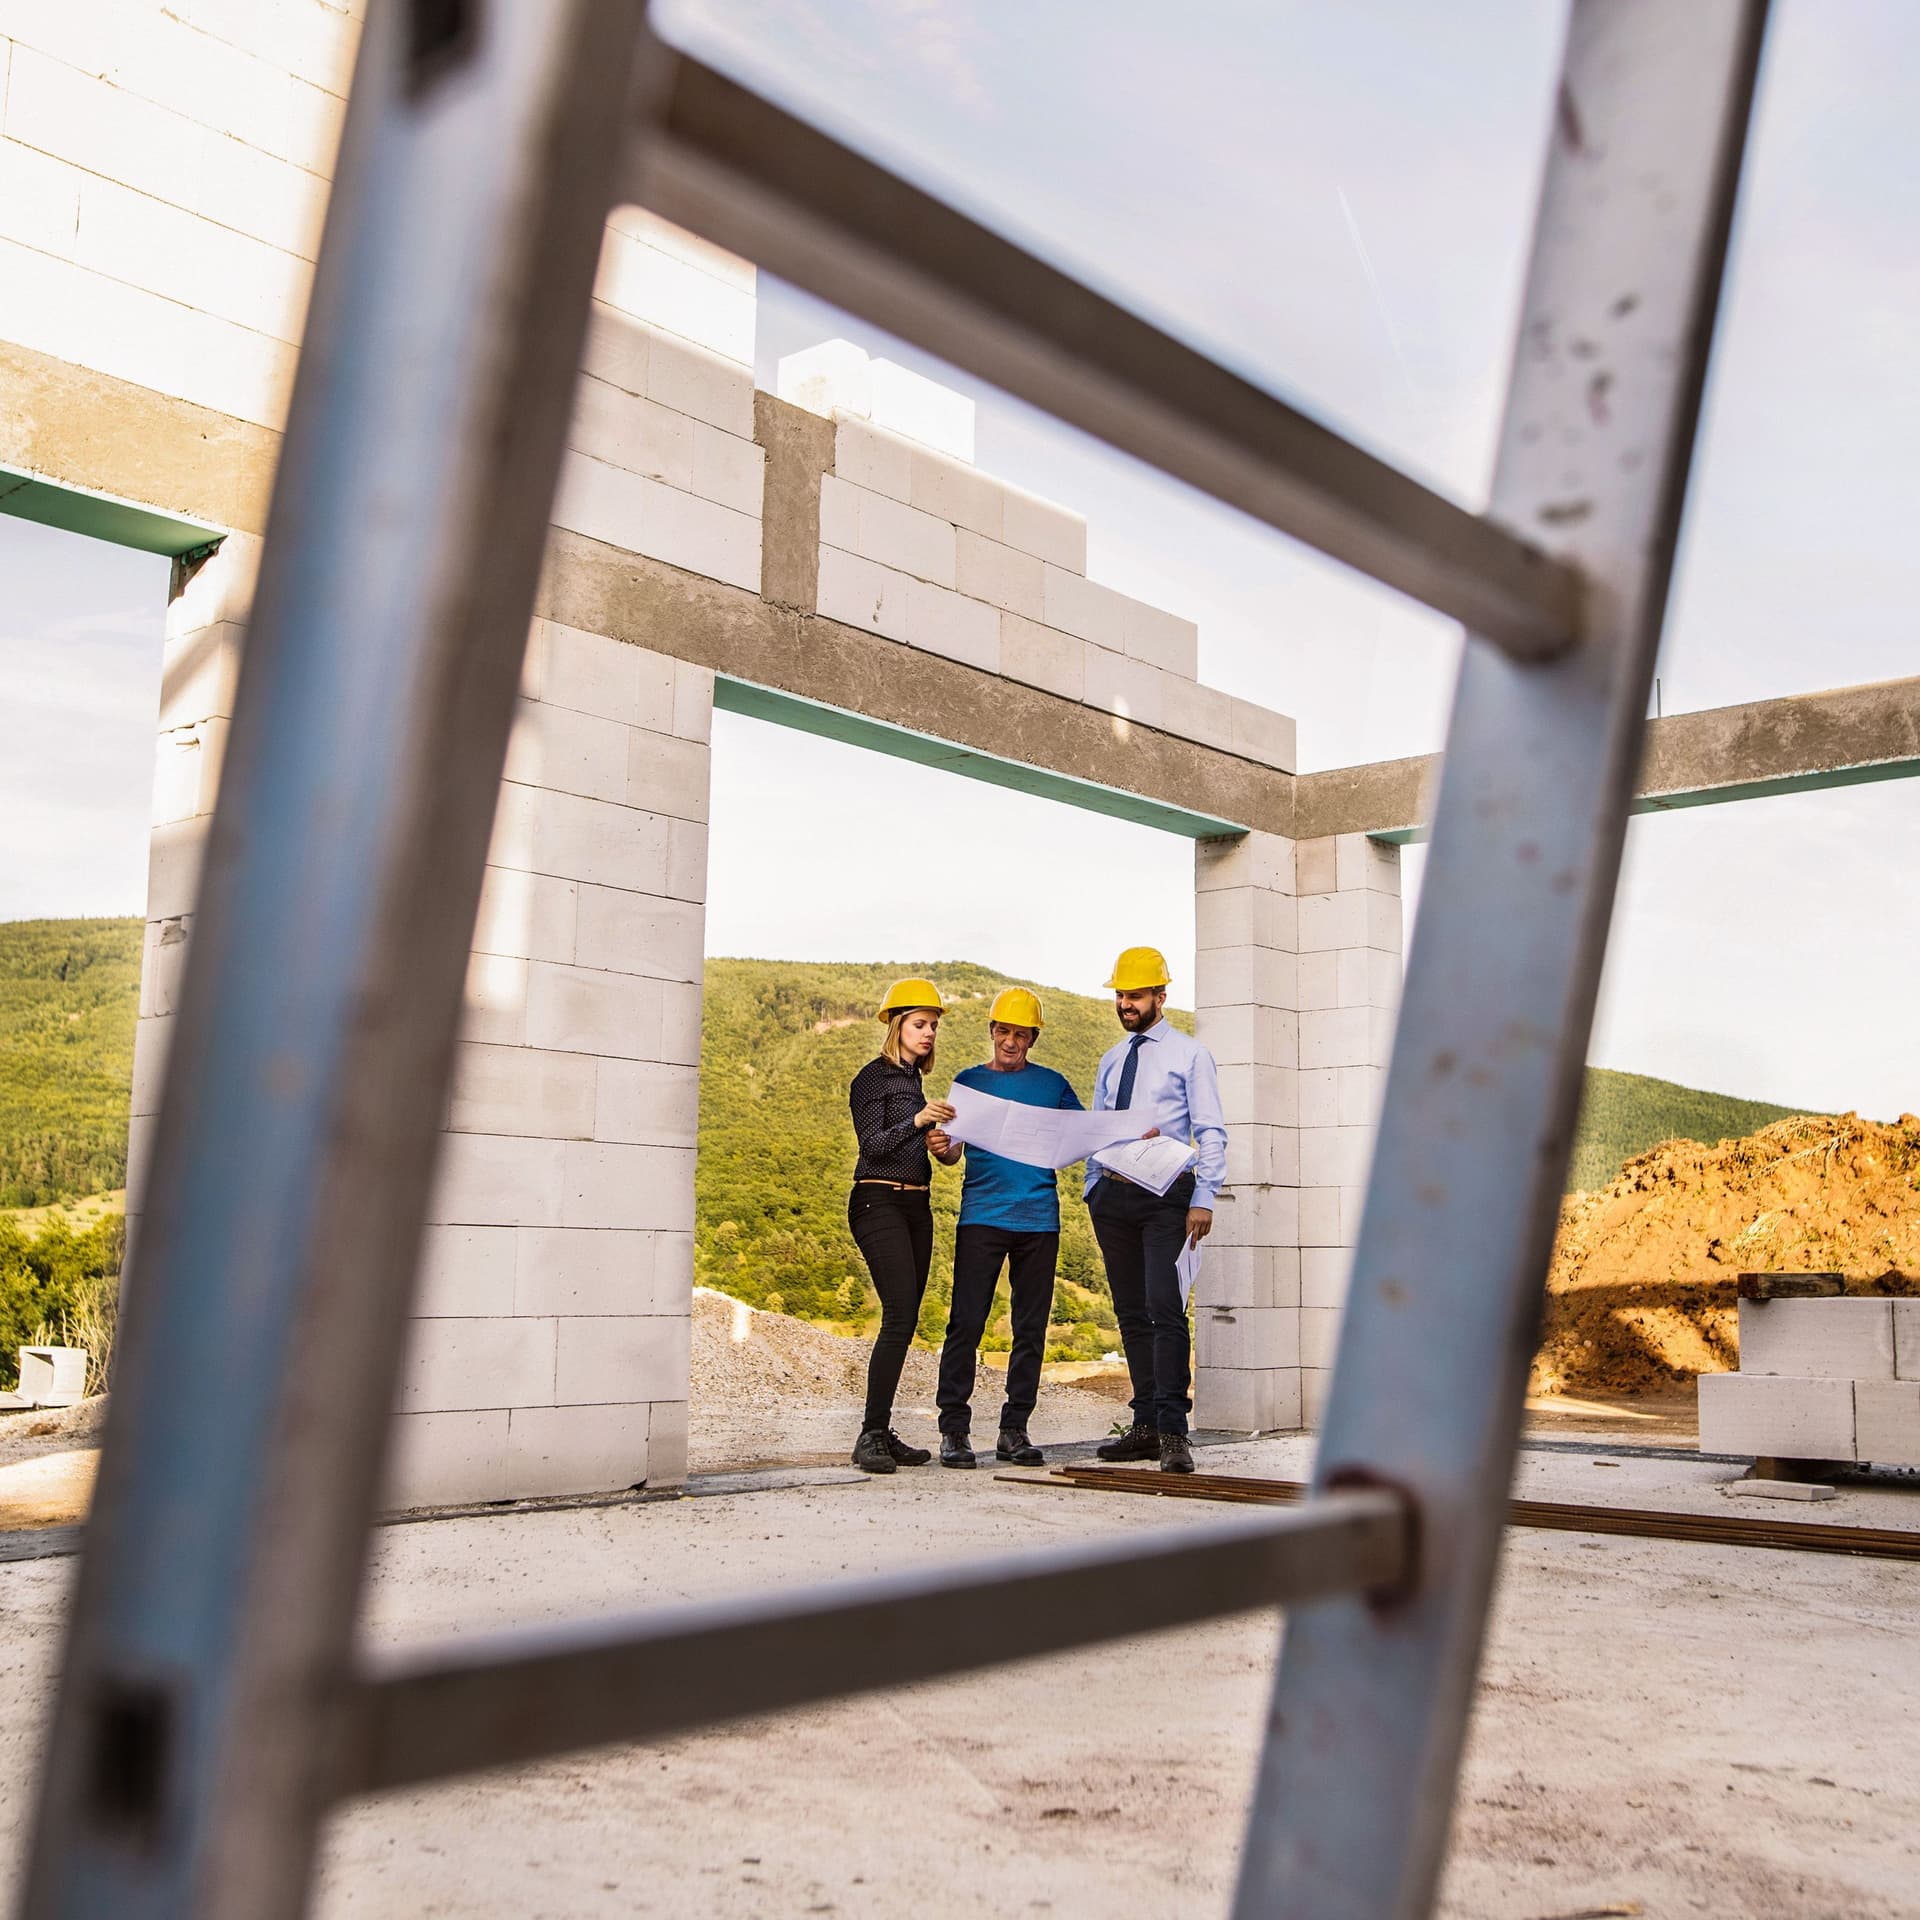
(1186, 1269)
(1153, 1164)
(1037, 1136)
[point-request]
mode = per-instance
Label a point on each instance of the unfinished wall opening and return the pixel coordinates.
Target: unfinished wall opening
(834, 870)
(81, 624)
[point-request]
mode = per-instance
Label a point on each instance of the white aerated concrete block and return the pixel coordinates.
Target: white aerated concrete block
(859, 593)
(1260, 734)
(566, 1272)
(670, 292)
(621, 427)
(486, 1180)
(1254, 1092)
(445, 1459)
(1372, 865)
(1077, 605)
(647, 1103)
(1886, 1421)
(174, 852)
(953, 626)
(453, 1366)
(1245, 1400)
(1319, 1335)
(1164, 639)
(607, 1185)
(883, 530)
(570, 837)
(870, 457)
(666, 776)
(1335, 1037)
(640, 933)
(53, 1376)
(591, 673)
(1906, 1337)
(152, 1040)
(1243, 860)
(1320, 1218)
(1039, 527)
(1830, 1339)
(1236, 1277)
(1331, 921)
(568, 751)
(1001, 575)
(526, 916)
(1247, 1337)
(1774, 1415)
(555, 1451)
(691, 380)
(1246, 917)
(1249, 1035)
(622, 1359)
(952, 490)
(1324, 1272)
(1042, 656)
(1316, 865)
(585, 1010)
(522, 1090)
(200, 672)
(1197, 713)
(1129, 688)
(667, 1443)
(466, 1273)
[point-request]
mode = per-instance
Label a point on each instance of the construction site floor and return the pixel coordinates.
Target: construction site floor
(1663, 1728)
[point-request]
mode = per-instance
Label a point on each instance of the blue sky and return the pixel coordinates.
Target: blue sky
(1336, 200)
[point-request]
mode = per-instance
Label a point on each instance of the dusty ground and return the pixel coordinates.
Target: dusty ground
(768, 1388)
(1641, 1292)
(1696, 1730)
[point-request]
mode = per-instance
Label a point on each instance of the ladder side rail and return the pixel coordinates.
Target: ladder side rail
(752, 177)
(211, 1633)
(1355, 1789)
(511, 1698)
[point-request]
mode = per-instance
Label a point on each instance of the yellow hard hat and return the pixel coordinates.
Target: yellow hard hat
(905, 995)
(1015, 1007)
(1139, 968)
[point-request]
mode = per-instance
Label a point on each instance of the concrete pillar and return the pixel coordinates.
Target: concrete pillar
(549, 1352)
(1349, 986)
(1247, 1306)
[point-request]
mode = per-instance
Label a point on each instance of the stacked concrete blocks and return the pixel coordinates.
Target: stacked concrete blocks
(1349, 988)
(661, 456)
(1820, 1379)
(918, 545)
(550, 1350)
(1247, 1304)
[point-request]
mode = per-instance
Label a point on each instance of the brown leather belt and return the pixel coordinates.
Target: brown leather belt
(899, 1186)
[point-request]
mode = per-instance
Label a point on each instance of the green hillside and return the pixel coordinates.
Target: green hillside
(69, 994)
(1626, 1113)
(782, 1040)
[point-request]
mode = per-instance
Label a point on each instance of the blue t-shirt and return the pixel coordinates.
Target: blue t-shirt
(1009, 1193)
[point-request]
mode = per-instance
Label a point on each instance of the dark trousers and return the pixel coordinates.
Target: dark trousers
(1140, 1238)
(978, 1255)
(894, 1232)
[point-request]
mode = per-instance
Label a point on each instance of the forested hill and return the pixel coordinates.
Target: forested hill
(69, 996)
(783, 1038)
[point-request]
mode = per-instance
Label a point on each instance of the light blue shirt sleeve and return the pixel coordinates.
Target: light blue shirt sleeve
(1209, 1122)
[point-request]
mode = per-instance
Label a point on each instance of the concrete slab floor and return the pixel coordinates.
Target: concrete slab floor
(1699, 1730)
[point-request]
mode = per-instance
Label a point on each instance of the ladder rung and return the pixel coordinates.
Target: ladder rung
(508, 1699)
(752, 177)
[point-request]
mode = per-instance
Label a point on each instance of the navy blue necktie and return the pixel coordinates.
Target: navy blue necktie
(1124, 1099)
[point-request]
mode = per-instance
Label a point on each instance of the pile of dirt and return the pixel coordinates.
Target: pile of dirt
(743, 1355)
(1641, 1294)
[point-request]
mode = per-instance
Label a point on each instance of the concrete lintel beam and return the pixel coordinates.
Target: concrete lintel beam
(1801, 743)
(1188, 787)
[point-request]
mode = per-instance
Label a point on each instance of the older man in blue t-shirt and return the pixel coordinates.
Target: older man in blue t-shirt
(1009, 1216)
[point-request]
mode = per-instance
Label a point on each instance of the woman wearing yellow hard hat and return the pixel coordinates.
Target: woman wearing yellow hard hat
(890, 1211)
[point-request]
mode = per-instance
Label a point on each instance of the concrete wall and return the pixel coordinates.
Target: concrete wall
(1298, 973)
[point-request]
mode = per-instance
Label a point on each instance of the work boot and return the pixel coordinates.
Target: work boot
(904, 1455)
(956, 1449)
(1176, 1453)
(870, 1452)
(1141, 1441)
(1015, 1446)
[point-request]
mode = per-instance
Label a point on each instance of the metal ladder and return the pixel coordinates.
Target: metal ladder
(212, 1709)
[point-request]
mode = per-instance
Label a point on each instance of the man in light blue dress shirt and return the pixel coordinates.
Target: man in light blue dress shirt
(1156, 1068)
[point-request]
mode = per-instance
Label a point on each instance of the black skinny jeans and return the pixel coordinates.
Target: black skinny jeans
(978, 1255)
(1140, 1238)
(894, 1232)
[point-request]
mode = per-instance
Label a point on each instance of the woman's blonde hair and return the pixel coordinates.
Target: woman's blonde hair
(890, 1046)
